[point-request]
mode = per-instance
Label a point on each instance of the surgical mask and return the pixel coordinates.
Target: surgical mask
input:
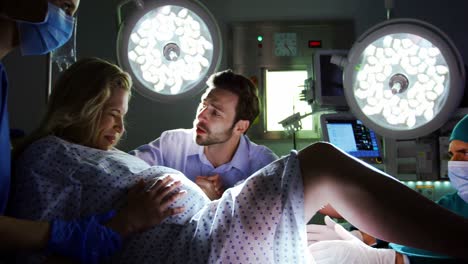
(458, 174)
(41, 38)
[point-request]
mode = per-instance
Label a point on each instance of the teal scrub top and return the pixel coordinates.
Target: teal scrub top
(454, 203)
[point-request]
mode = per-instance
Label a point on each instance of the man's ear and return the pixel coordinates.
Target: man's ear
(241, 126)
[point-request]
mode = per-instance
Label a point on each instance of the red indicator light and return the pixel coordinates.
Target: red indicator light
(315, 43)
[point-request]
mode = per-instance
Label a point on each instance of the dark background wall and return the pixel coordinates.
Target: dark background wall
(97, 34)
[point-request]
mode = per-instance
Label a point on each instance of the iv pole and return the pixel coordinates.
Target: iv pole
(63, 57)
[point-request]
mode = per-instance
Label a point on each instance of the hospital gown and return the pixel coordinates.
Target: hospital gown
(259, 221)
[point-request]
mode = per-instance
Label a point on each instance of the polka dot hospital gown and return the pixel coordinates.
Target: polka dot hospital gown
(259, 221)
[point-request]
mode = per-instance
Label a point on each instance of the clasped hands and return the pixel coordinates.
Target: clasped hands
(212, 186)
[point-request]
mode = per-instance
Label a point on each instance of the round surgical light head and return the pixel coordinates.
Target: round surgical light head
(404, 78)
(170, 48)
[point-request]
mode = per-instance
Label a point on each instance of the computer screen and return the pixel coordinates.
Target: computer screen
(351, 135)
(329, 79)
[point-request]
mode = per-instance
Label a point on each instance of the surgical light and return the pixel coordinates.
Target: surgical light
(170, 48)
(404, 78)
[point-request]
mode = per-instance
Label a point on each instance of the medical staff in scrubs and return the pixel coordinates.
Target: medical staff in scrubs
(37, 28)
(348, 249)
(456, 202)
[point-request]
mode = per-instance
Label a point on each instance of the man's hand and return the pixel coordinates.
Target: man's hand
(146, 208)
(211, 185)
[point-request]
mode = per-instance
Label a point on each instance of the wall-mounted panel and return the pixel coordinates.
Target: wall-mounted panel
(260, 47)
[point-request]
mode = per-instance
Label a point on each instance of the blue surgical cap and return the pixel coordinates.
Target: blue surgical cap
(460, 131)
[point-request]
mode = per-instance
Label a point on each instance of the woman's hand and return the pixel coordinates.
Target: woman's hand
(146, 208)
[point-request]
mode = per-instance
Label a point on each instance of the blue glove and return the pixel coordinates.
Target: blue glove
(86, 240)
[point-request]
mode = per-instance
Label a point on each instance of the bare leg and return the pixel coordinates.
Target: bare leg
(377, 203)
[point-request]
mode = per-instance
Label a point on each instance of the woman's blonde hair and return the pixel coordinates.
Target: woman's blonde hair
(77, 101)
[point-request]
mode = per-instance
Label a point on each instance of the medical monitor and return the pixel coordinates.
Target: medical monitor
(329, 79)
(349, 134)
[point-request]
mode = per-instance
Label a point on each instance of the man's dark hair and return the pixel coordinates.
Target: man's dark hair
(248, 104)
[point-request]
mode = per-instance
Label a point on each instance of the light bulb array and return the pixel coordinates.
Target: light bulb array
(188, 58)
(426, 75)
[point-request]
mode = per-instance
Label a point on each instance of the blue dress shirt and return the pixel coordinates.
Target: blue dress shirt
(177, 149)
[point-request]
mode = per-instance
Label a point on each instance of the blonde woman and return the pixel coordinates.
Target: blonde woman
(87, 108)
(35, 28)
(73, 169)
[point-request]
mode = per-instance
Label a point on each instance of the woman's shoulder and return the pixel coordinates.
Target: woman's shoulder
(48, 144)
(40, 144)
(45, 149)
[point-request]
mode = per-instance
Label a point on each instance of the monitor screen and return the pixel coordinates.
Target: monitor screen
(329, 79)
(350, 135)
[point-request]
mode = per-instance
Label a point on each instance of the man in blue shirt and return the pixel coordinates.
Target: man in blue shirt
(216, 154)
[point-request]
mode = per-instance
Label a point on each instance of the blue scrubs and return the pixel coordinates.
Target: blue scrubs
(454, 203)
(5, 149)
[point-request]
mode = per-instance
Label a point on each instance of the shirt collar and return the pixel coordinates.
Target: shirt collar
(240, 160)
(194, 148)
